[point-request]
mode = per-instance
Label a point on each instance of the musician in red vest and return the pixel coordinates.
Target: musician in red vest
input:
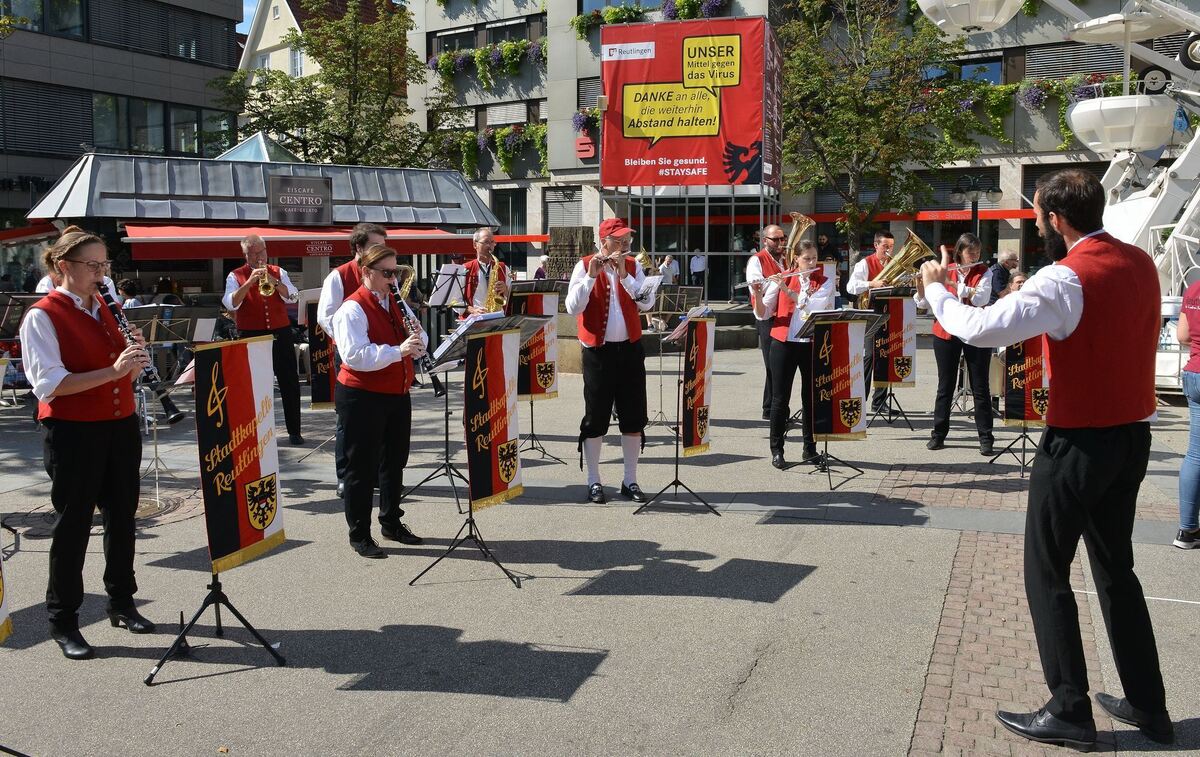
(789, 301)
(480, 269)
(766, 262)
(863, 278)
(258, 315)
(971, 282)
(601, 296)
(341, 281)
(372, 400)
(1099, 307)
(82, 371)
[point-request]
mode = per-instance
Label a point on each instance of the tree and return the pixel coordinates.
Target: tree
(869, 100)
(353, 111)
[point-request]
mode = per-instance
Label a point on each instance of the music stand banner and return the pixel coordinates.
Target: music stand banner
(490, 412)
(1026, 383)
(5, 619)
(321, 376)
(697, 384)
(239, 463)
(537, 372)
(838, 392)
(896, 342)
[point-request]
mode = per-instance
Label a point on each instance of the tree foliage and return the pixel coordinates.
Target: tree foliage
(353, 110)
(863, 110)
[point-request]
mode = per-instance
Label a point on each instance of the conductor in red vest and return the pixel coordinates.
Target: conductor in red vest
(1100, 298)
(601, 296)
(864, 278)
(258, 314)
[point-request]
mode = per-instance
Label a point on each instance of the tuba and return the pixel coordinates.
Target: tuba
(901, 266)
(800, 224)
(265, 287)
(493, 302)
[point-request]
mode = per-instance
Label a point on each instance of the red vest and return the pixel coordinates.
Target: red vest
(258, 313)
(973, 276)
(86, 345)
(770, 267)
(874, 266)
(351, 276)
(594, 319)
(784, 309)
(472, 282)
(383, 327)
(1103, 373)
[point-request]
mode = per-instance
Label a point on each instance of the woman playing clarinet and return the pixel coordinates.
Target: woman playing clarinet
(81, 367)
(372, 399)
(790, 297)
(971, 281)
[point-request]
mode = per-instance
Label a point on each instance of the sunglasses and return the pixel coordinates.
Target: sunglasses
(387, 273)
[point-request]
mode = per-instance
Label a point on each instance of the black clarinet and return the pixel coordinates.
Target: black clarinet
(425, 363)
(149, 373)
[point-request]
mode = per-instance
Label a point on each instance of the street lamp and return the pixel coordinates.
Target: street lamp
(969, 188)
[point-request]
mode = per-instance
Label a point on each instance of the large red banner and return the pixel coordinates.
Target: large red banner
(687, 103)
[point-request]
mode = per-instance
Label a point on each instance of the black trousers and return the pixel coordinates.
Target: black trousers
(377, 431)
(786, 357)
(1084, 482)
(764, 345)
(283, 359)
(91, 464)
(613, 374)
(339, 433)
(946, 352)
(878, 396)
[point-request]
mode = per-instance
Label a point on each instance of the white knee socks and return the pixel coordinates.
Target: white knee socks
(630, 447)
(591, 454)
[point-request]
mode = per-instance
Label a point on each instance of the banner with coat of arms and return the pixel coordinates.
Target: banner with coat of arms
(1026, 383)
(838, 392)
(698, 345)
(5, 619)
(490, 417)
(896, 342)
(239, 463)
(321, 375)
(537, 372)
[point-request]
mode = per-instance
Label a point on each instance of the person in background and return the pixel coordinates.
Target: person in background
(1001, 270)
(540, 273)
(697, 267)
(669, 270)
(128, 289)
(1188, 334)
(1015, 282)
(164, 292)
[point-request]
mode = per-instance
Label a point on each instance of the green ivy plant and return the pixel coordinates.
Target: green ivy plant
(537, 134)
(626, 13)
(468, 149)
(1065, 92)
(483, 67)
(508, 142)
(513, 52)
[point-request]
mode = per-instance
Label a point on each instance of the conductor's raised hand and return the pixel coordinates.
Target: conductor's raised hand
(933, 273)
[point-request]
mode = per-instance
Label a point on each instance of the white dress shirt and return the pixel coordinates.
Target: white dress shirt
(580, 290)
(698, 263)
(979, 295)
(330, 300)
(40, 353)
(355, 346)
(806, 303)
(754, 272)
(46, 284)
(859, 277)
(232, 285)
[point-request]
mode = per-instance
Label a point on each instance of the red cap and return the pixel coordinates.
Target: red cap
(614, 227)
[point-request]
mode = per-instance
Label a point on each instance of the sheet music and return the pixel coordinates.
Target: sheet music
(449, 286)
(649, 289)
(449, 341)
(700, 311)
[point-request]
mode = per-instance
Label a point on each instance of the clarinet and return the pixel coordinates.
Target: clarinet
(425, 363)
(149, 373)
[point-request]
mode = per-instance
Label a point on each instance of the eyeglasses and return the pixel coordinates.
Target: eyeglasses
(94, 266)
(387, 273)
(777, 239)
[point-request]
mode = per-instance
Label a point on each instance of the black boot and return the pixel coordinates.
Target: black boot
(72, 643)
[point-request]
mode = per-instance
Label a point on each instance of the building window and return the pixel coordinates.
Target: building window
(216, 135)
(456, 40)
(110, 119)
(563, 206)
(990, 71)
(508, 31)
(297, 62)
(507, 113)
(587, 92)
(146, 127)
(587, 6)
(509, 207)
(31, 10)
(185, 130)
(274, 11)
(264, 62)
(65, 17)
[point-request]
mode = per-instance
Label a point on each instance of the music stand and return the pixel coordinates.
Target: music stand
(671, 302)
(873, 322)
(522, 289)
(1025, 457)
(453, 350)
(12, 311)
(891, 409)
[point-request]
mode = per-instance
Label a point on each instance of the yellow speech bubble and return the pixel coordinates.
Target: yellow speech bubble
(654, 111)
(711, 62)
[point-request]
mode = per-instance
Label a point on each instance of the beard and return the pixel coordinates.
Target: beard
(1056, 246)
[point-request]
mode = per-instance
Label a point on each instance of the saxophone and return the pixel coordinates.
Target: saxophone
(494, 302)
(400, 295)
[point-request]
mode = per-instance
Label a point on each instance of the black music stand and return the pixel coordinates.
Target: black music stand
(453, 350)
(13, 307)
(1025, 457)
(891, 410)
(670, 302)
(521, 289)
(873, 321)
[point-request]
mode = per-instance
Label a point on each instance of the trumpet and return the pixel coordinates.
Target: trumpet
(266, 287)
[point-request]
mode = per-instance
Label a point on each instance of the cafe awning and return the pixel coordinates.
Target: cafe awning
(30, 233)
(186, 242)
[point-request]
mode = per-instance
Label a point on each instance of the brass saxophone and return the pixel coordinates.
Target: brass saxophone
(493, 302)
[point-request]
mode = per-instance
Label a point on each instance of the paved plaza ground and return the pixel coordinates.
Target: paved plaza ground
(884, 617)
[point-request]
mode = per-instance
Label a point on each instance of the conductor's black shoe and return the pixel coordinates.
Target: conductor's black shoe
(400, 533)
(985, 447)
(71, 642)
(936, 443)
(341, 489)
(810, 454)
(131, 618)
(1045, 728)
(368, 549)
(1156, 726)
(633, 492)
(778, 461)
(596, 494)
(295, 439)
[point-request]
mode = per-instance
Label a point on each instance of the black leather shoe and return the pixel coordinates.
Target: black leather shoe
(1156, 726)
(935, 443)
(369, 549)
(633, 492)
(985, 447)
(778, 461)
(401, 533)
(810, 454)
(341, 489)
(596, 494)
(295, 439)
(72, 643)
(1045, 728)
(131, 618)
(766, 415)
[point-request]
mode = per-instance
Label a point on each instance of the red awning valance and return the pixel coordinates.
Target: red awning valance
(937, 215)
(177, 242)
(30, 233)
